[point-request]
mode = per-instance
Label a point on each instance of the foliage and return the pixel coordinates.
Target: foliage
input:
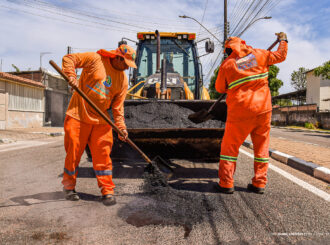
(273, 82)
(213, 93)
(283, 102)
(16, 68)
(323, 71)
(309, 125)
(298, 78)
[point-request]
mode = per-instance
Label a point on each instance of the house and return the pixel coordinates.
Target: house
(22, 102)
(57, 94)
(318, 91)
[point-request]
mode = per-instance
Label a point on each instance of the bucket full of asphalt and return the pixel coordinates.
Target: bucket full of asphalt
(158, 114)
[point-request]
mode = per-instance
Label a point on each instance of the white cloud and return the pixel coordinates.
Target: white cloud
(305, 49)
(24, 36)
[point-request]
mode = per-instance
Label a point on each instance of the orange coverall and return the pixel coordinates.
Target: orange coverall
(106, 87)
(244, 77)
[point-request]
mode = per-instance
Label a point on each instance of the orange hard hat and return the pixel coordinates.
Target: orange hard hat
(125, 51)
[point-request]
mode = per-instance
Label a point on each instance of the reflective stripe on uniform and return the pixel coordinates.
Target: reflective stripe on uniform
(259, 159)
(247, 79)
(228, 158)
(103, 172)
(70, 172)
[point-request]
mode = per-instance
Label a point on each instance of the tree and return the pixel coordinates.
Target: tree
(213, 93)
(273, 82)
(323, 71)
(15, 67)
(283, 102)
(298, 79)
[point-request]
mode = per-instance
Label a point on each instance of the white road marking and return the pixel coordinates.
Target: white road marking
(294, 179)
(22, 144)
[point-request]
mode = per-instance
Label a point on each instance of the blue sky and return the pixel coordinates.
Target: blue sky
(30, 27)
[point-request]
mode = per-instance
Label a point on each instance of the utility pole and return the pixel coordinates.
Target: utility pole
(225, 26)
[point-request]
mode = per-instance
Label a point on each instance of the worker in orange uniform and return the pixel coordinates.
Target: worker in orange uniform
(244, 77)
(104, 81)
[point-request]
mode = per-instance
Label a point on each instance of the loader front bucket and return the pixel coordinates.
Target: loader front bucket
(162, 128)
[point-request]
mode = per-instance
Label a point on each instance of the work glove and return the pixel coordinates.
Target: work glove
(125, 133)
(282, 36)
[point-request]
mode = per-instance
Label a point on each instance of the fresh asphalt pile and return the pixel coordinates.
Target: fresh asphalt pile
(162, 205)
(163, 115)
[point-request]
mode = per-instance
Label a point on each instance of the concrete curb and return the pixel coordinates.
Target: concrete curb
(56, 134)
(310, 168)
(53, 134)
(50, 134)
(302, 130)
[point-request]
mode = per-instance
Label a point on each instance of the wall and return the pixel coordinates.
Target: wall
(299, 115)
(21, 105)
(3, 105)
(36, 76)
(56, 106)
(24, 119)
(324, 118)
(318, 91)
(312, 89)
(324, 95)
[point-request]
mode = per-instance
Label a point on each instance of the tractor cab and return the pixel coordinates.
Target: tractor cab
(180, 62)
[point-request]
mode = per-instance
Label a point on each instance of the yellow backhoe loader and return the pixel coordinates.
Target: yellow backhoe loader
(165, 88)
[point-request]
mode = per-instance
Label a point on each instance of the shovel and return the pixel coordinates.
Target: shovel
(166, 170)
(205, 115)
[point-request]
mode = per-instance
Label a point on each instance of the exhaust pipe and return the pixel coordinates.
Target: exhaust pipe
(158, 52)
(163, 81)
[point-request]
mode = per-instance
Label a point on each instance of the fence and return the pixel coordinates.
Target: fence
(299, 115)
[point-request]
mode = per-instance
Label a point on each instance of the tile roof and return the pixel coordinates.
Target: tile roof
(26, 81)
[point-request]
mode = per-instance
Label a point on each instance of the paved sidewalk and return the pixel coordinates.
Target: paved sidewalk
(18, 134)
(310, 158)
(303, 150)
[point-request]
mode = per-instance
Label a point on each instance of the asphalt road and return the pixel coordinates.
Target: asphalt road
(294, 210)
(316, 138)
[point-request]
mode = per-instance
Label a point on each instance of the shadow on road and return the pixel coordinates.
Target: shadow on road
(318, 135)
(47, 197)
(204, 186)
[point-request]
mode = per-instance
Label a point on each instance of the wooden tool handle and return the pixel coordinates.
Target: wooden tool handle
(104, 116)
(215, 104)
(273, 45)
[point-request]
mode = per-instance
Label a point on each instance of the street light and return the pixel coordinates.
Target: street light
(187, 17)
(42, 54)
(262, 18)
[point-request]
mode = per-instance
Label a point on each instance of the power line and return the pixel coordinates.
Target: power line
(49, 17)
(250, 20)
(242, 17)
(93, 15)
(70, 16)
(234, 9)
(202, 17)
